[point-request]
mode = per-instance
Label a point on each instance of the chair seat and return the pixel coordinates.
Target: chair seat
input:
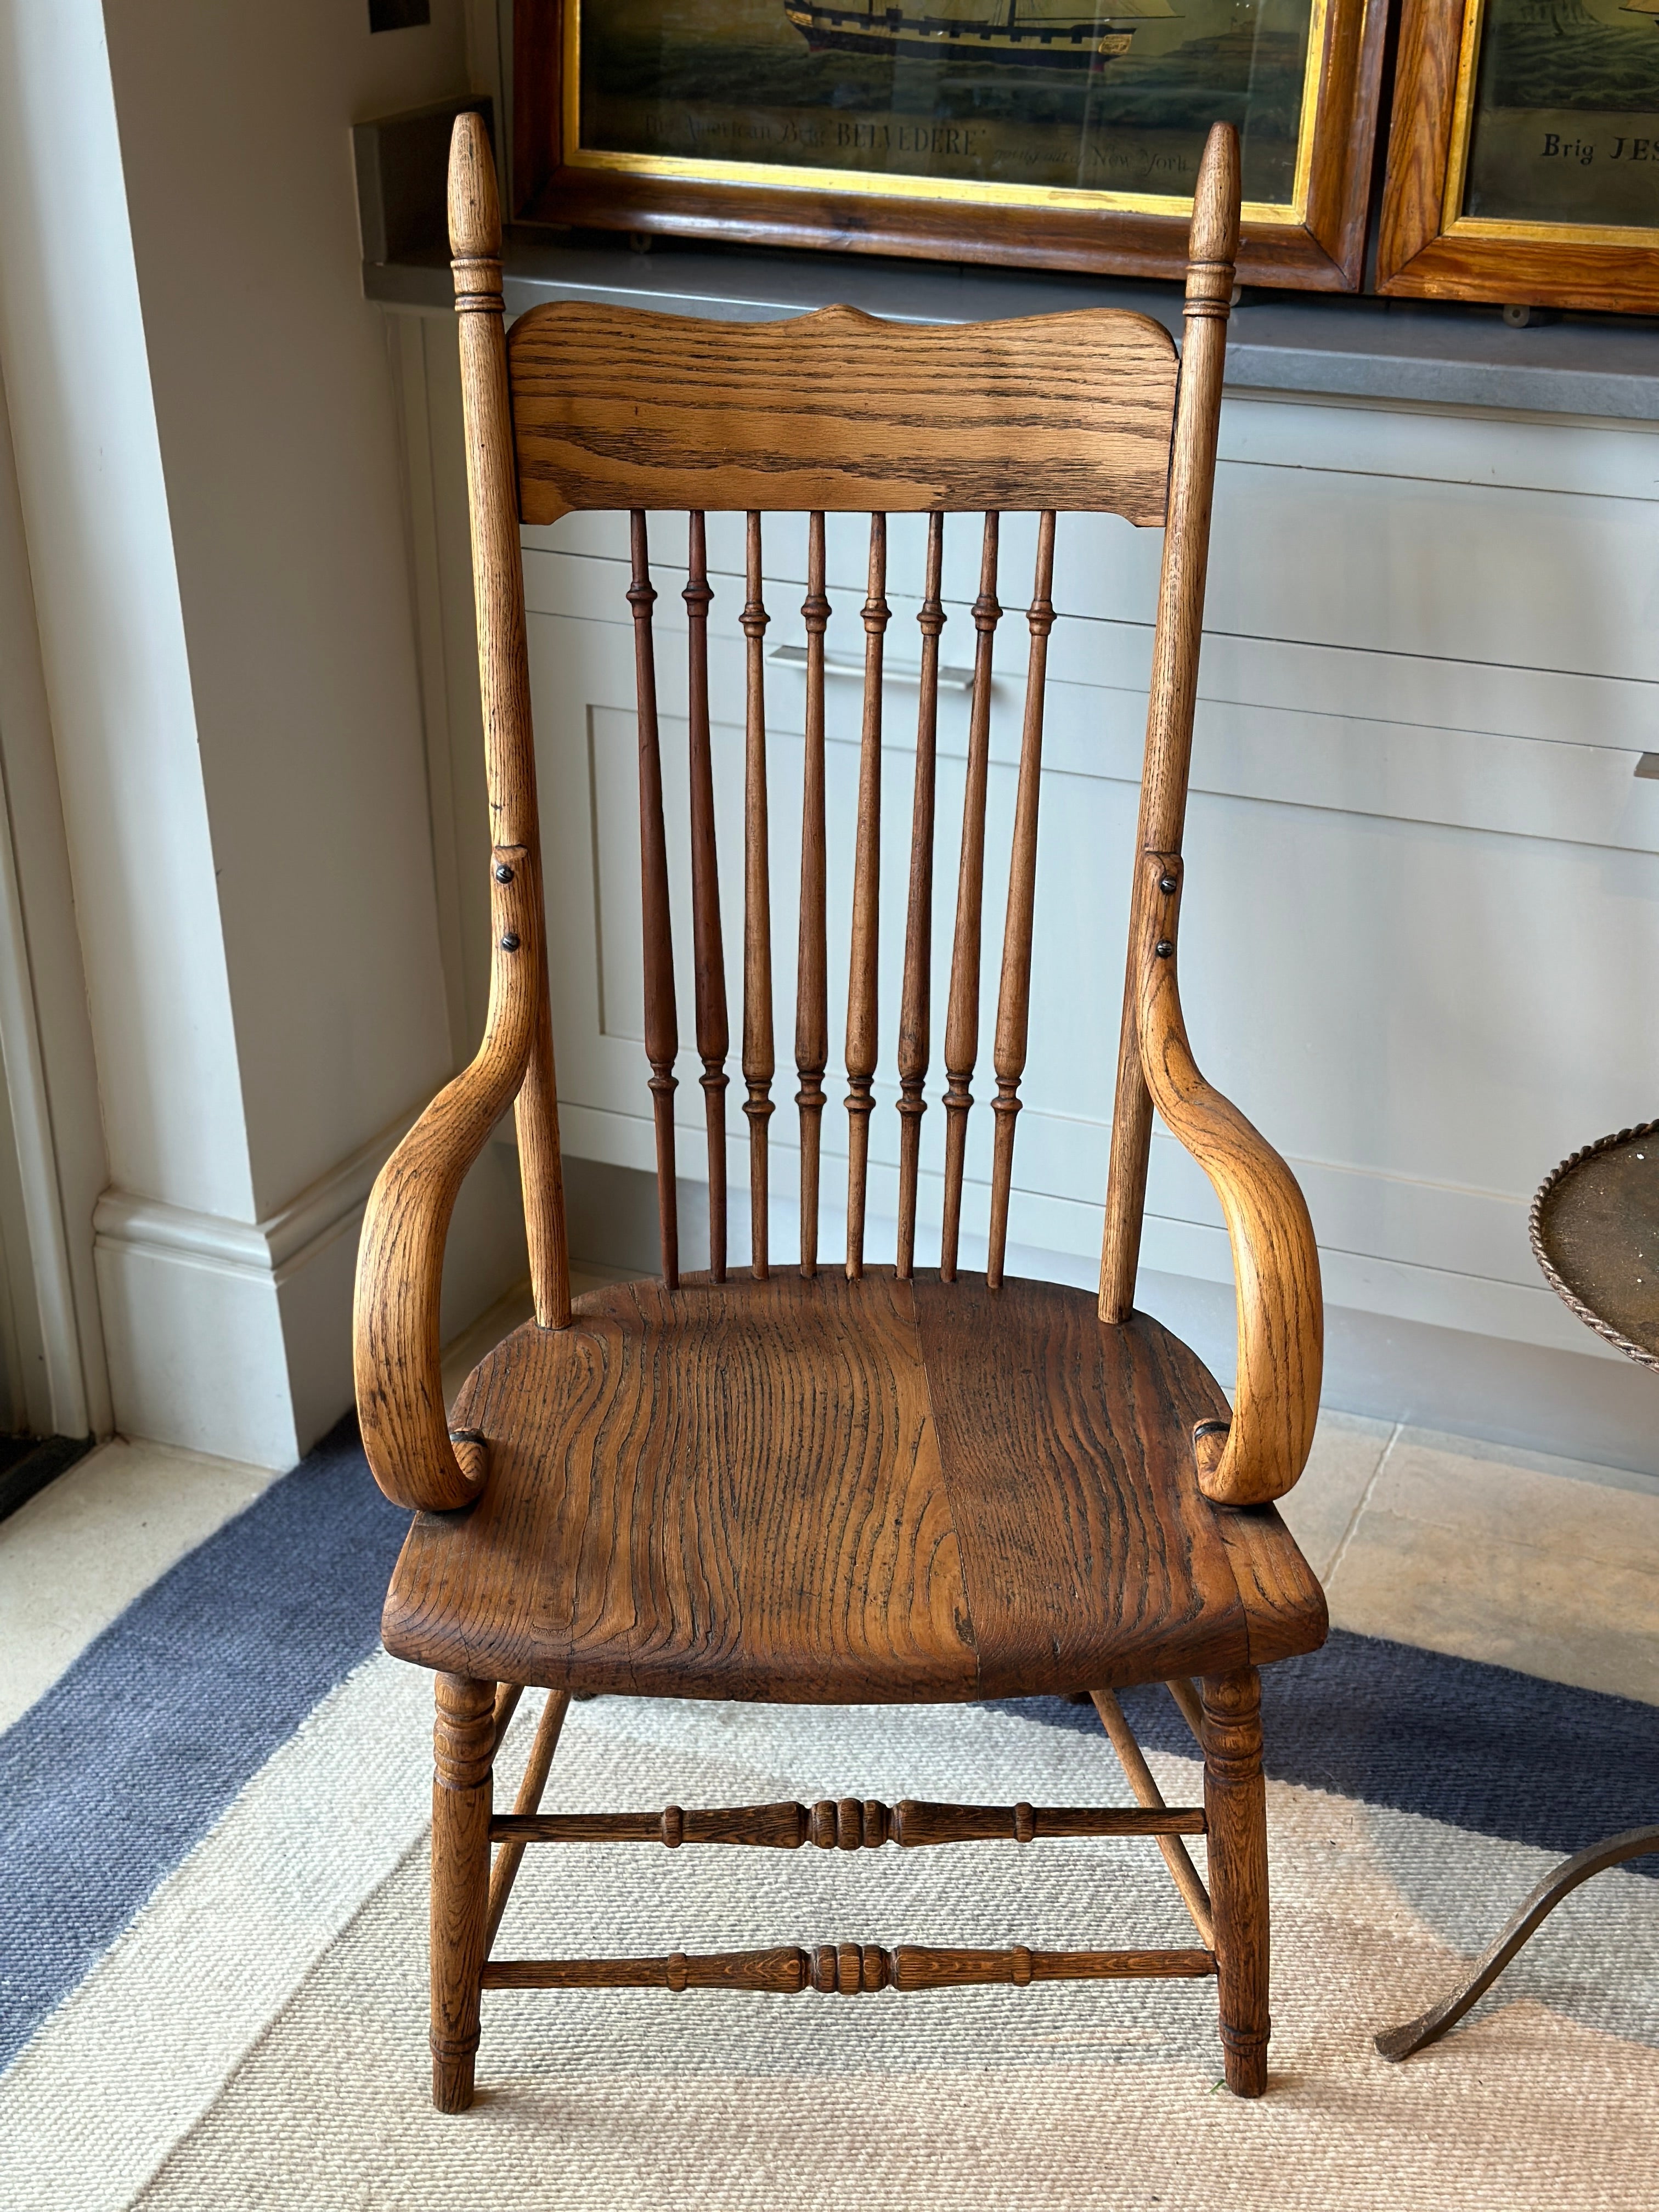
(819, 1491)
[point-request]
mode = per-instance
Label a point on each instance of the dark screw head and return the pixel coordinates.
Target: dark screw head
(1168, 885)
(509, 943)
(503, 873)
(1163, 948)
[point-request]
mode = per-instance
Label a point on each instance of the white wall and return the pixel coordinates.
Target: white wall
(209, 480)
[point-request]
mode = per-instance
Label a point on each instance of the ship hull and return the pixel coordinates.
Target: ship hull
(834, 31)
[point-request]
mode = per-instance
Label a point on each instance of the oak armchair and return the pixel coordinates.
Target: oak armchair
(1016, 1488)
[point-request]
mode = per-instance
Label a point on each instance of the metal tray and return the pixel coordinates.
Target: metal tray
(1594, 1229)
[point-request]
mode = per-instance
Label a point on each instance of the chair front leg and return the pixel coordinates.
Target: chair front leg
(464, 1747)
(1236, 1807)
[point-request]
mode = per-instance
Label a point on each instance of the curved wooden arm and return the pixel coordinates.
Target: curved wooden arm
(400, 1262)
(1275, 1261)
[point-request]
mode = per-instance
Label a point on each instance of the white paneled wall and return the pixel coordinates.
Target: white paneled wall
(1422, 917)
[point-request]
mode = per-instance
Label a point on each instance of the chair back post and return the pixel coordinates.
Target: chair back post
(1213, 245)
(474, 239)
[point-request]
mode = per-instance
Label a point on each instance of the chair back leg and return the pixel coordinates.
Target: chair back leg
(1235, 1809)
(464, 1750)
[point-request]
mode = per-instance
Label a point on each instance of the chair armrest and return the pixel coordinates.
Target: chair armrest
(1275, 1261)
(400, 1261)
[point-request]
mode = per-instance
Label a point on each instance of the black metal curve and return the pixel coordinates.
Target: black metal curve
(1428, 2027)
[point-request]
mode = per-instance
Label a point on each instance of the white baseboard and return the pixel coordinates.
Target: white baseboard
(234, 1338)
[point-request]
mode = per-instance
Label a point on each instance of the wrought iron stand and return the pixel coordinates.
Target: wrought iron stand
(1594, 1229)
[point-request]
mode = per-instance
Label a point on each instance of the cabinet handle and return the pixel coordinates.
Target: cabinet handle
(834, 664)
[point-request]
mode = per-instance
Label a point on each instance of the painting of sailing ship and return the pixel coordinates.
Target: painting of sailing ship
(1030, 34)
(1040, 94)
(1565, 124)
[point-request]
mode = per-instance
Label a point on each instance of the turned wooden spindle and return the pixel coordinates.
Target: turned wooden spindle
(861, 1017)
(463, 1745)
(1142, 1781)
(661, 1028)
(1014, 1001)
(846, 1969)
(1235, 1809)
(708, 951)
(915, 1003)
(812, 973)
(540, 1764)
(475, 234)
(962, 1017)
(849, 1824)
(1173, 691)
(759, 1049)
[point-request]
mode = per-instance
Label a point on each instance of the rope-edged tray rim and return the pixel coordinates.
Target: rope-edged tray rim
(1562, 1290)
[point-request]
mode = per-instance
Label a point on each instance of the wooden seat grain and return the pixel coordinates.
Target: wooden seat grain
(823, 1490)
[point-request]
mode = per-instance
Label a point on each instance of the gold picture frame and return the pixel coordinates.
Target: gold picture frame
(1310, 235)
(1521, 249)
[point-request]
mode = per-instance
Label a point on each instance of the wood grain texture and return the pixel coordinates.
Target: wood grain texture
(708, 949)
(1173, 695)
(1235, 1801)
(1285, 1610)
(915, 1003)
(616, 407)
(962, 1008)
(1087, 1554)
(463, 1745)
(817, 1489)
(1275, 1260)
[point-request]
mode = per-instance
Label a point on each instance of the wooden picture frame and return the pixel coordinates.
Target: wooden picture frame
(1313, 242)
(1429, 248)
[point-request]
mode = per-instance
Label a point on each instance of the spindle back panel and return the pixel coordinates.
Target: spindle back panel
(615, 408)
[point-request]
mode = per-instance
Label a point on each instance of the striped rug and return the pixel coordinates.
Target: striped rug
(212, 1951)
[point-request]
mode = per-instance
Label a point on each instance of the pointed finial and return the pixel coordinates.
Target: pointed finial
(1212, 242)
(475, 213)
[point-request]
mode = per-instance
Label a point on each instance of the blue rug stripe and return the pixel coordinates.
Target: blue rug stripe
(1479, 1747)
(138, 1750)
(129, 1759)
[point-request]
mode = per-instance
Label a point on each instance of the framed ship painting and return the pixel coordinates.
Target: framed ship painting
(1523, 155)
(1062, 134)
